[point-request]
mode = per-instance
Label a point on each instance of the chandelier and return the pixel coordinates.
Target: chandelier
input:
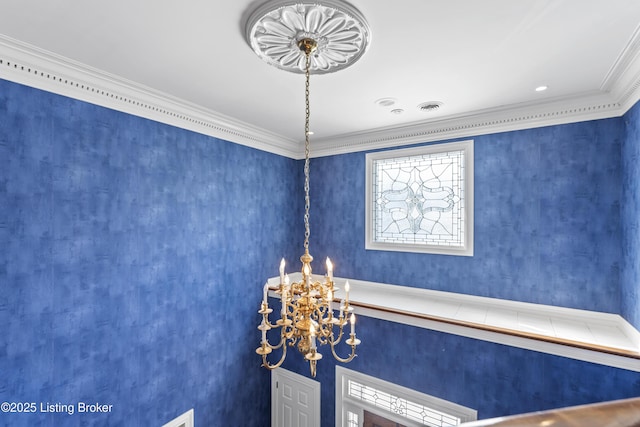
(318, 37)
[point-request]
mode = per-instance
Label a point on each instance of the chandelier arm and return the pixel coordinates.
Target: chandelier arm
(290, 330)
(269, 366)
(344, 360)
(323, 334)
(323, 340)
(283, 336)
(337, 341)
(324, 329)
(271, 325)
(275, 347)
(280, 344)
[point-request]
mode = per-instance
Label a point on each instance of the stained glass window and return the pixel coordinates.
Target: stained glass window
(421, 199)
(400, 406)
(358, 396)
(352, 419)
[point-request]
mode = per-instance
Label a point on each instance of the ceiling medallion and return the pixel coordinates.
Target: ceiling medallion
(340, 31)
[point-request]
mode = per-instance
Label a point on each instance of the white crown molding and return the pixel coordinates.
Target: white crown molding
(31, 66)
(34, 67)
(619, 91)
(623, 79)
(591, 106)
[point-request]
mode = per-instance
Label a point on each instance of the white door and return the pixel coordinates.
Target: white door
(295, 400)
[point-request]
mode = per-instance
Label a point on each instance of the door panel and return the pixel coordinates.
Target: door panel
(295, 400)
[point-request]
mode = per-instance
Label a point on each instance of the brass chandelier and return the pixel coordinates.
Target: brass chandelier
(305, 37)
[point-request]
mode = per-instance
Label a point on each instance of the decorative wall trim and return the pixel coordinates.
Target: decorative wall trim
(624, 77)
(31, 66)
(619, 91)
(578, 109)
(596, 337)
(184, 420)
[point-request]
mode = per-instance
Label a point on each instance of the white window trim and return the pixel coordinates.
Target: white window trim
(467, 249)
(345, 403)
(184, 420)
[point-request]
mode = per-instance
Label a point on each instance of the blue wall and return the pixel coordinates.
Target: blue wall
(547, 220)
(131, 265)
(133, 255)
(630, 280)
(494, 379)
(547, 230)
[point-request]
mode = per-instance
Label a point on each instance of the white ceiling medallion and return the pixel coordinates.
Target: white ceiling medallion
(341, 32)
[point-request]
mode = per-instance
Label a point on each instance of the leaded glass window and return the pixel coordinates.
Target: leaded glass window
(352, 419)
(421, 199)
(400, 406)
(361, 397)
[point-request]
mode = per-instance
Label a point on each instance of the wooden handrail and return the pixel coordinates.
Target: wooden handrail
(488, 328)
(618, 413)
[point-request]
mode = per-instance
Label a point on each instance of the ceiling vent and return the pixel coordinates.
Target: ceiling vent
(430, 107)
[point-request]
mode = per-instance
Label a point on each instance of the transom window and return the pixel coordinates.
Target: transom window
(358, 395)
(421, 199)
(391, 403)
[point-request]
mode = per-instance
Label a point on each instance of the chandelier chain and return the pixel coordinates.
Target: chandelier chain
(306, 152)
(306, 314)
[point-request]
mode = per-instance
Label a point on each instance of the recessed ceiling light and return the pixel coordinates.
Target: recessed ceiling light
(397, 111)
(542, 88)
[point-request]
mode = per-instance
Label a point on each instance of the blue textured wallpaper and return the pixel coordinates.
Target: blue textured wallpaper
(547, 230)
(547, 220)
(133, 255)
(132, 260)
(630, 280)
(494, 379)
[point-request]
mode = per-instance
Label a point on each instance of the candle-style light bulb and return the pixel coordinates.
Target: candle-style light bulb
(329, 269)
(265, 290)
(353, 323)
(282, 263)
(346, 290)
(283, 301)
(312, 331)
(306, 273)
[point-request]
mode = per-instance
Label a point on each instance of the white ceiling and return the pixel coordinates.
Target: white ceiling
(481, 59)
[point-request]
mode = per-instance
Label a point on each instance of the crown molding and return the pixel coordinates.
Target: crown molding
(623, 80)
(31, 66)
(34, 67)
(591, 106)
(619, 91)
